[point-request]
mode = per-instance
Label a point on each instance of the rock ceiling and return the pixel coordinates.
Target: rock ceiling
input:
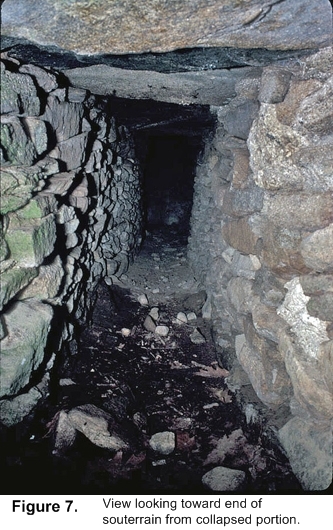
(185, 52)
(128, 26)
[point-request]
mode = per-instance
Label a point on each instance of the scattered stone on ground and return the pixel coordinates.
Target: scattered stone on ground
(143, 300)
(154, 313)
(197, 337)
(131, 384)
(181, 318)
(66, 381)
(224, 479)
(163, 331)
(163, 442)
(149, 324)
(65, 433)
(96, 424)
(93, 423)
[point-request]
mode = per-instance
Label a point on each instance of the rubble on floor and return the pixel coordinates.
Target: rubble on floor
(140, 412)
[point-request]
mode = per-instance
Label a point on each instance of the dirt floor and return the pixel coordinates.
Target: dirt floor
(148, 383)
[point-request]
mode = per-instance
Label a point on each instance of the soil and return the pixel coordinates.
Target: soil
(149, 384)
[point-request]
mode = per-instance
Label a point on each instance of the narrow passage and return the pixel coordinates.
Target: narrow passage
(163, 383)
(127, 382)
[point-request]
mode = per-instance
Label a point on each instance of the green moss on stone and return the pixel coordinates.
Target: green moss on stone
(28, 325)
(3, 248)
(18, 146)
(18, 94)
(13, 280)
(31, 240)
(31, 211)
(20, 244)
(16, 187)
(10, 203)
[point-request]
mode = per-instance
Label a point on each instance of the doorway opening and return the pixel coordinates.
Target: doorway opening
(168, 177)
(169, 139)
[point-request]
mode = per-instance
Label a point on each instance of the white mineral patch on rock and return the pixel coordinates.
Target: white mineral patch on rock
(310, 331)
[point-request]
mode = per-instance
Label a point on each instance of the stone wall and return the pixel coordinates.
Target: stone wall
(262, 244)
(70, 217)
(261, 238)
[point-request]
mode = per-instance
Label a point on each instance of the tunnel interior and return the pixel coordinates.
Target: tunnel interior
(145, 351)
(169, 140)
(157, 242)
(168, 174)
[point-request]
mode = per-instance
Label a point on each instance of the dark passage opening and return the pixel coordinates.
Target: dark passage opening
(168, 141)
(168, 175)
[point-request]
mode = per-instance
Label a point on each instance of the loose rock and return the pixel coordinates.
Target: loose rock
(163, 442)
(181, 318)
(149, 324)
(224, 479)
(143, 300)
(65, 434)
(154, 313)
(197, 337)
(95, 423)
(162, 331)
(66, 382)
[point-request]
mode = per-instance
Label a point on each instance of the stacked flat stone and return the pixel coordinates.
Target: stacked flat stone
(262, 244)
(71, 216)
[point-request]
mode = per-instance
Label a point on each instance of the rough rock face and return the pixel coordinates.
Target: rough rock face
(71, 215)
(262, 244)
(134, 27)
(199, 88)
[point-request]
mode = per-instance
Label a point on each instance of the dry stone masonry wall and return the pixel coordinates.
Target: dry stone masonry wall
(262, 244)
(261, 233)
(70, 216)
